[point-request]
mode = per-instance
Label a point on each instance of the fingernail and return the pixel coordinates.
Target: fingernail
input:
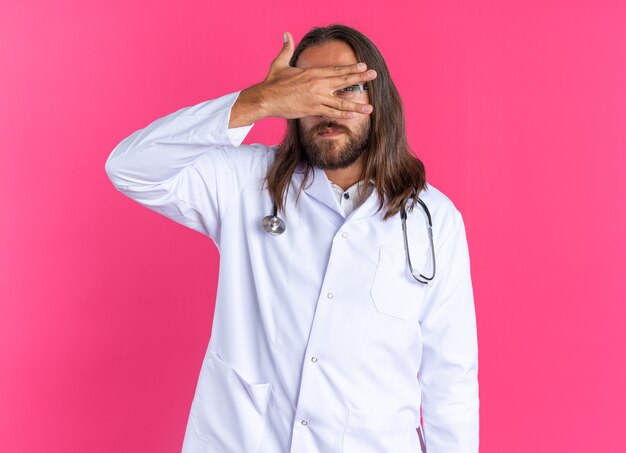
(367, 109)
(361, 66)
(285, 37)
(371, 73)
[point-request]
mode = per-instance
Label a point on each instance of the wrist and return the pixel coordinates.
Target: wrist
(249, 107)
(256, 100)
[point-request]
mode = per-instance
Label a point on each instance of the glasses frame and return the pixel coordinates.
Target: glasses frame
(361, 87)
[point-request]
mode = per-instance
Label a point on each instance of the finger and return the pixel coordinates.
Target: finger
(330, 71)
(283, 57)
(343, 104)
(329, 112)
(346, 80)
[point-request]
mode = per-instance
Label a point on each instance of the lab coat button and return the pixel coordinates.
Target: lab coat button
(313, 359)
(344, 235)
(330, 295)
(304, 422)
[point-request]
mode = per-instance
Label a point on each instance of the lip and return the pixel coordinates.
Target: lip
(330, 133)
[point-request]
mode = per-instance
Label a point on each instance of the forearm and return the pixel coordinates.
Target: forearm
(250, 107)
(162, 149)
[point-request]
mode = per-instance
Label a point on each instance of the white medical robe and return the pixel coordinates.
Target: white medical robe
(322, 341)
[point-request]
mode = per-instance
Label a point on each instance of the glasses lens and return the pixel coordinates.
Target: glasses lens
(350, 93)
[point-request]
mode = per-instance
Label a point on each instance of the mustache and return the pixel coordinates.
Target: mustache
(329, 124)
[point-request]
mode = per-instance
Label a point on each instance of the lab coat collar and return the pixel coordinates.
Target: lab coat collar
(318, 186)
(368, 208)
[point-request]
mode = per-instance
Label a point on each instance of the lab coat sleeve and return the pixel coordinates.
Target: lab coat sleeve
(188, 166)
(448, 374)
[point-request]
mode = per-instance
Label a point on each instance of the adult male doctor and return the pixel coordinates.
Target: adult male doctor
(322, 341)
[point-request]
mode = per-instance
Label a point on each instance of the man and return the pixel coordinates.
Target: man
(323, 339)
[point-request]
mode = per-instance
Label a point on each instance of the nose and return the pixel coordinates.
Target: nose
(324, 119)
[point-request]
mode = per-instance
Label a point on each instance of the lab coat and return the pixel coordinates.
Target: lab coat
(322, 341)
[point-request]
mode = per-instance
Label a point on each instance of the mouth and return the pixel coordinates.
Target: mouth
(330, 132)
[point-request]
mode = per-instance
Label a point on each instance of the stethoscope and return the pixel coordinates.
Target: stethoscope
(275, 226)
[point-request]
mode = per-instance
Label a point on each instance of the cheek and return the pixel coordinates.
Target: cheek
(307, 123)
(364, 123)
(364, 99)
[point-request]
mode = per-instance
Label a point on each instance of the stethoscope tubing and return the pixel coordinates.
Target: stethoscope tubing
(275, 226)
(419, 276)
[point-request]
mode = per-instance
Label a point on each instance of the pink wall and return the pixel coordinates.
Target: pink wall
(517, 108)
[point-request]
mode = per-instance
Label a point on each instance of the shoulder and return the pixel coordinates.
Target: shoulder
(242, 158)
(445, 215)
(256, 151)
(436, 199)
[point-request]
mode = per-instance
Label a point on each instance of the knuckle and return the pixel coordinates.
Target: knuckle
(312, 84)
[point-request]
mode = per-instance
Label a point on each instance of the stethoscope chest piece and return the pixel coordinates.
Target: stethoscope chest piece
(273, 225)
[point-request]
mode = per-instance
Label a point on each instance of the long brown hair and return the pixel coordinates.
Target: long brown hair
(388, 161)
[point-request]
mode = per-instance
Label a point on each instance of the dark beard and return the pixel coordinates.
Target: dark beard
(322, 153)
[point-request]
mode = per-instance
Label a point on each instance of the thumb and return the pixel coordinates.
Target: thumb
(283, 57)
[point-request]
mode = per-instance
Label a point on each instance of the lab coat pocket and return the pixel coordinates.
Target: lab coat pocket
(394, 291)
(228, 412)
(374, 432)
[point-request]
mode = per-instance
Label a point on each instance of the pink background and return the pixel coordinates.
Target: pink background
(517, 108)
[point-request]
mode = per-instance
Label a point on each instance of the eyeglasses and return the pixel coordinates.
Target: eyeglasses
(352, 92)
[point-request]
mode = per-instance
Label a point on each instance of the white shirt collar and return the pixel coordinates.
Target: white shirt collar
(348, 198)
